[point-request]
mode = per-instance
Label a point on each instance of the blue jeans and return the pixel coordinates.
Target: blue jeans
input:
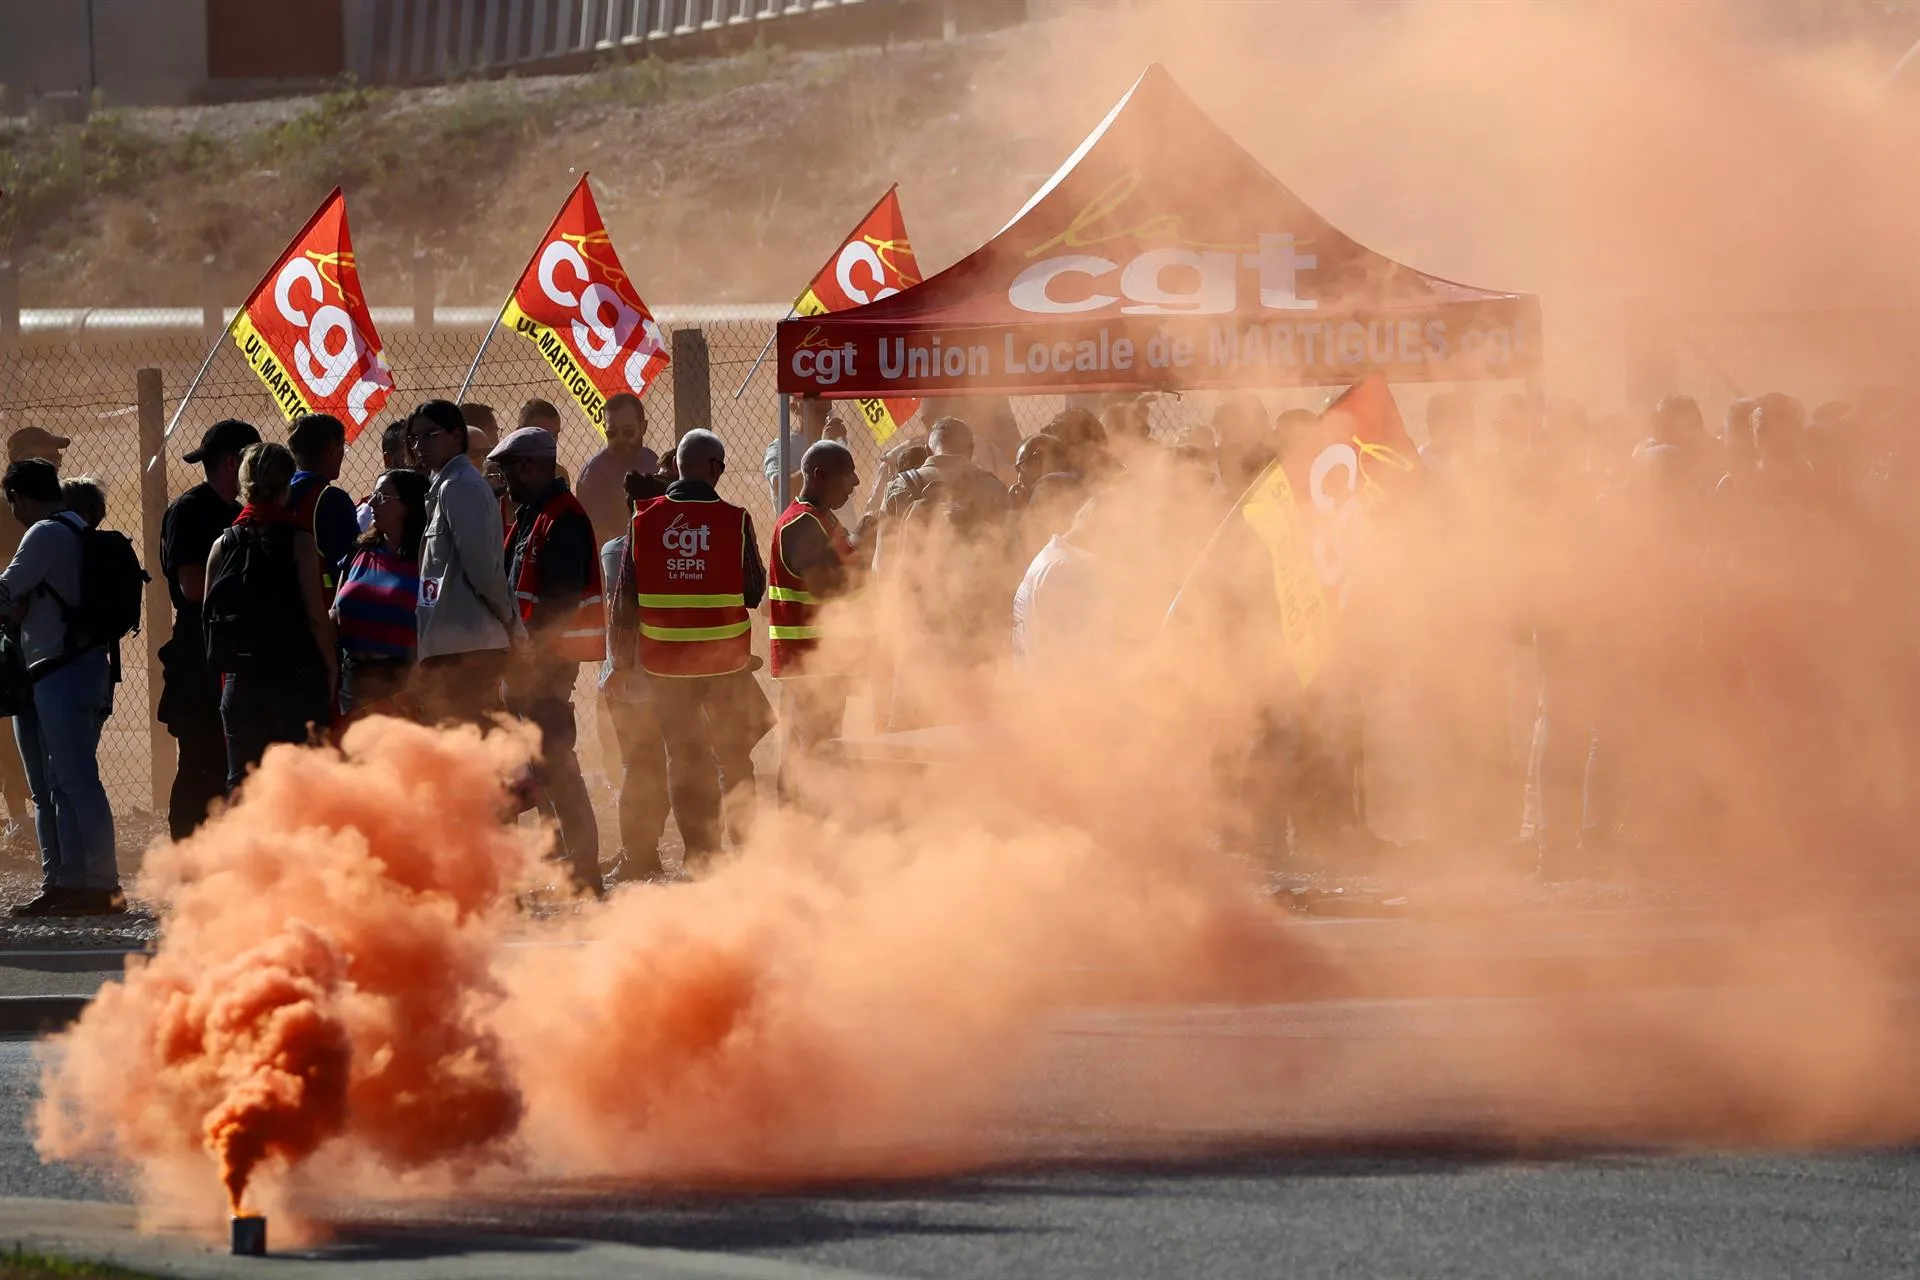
(59, 743)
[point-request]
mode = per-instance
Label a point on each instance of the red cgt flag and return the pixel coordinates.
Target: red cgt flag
(1309, 509)
(306, 332)
(576, 303)
(875, 262)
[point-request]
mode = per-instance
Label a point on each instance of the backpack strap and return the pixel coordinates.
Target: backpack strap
(79, 531)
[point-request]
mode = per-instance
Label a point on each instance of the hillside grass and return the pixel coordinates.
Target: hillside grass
(354, 135)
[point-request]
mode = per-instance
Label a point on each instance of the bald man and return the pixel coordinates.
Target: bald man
(698, 573)
(814, 563)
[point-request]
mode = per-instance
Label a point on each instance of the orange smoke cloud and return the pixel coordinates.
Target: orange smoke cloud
(854, 992)
(324, 974)
(844, 999)
(267, 1024)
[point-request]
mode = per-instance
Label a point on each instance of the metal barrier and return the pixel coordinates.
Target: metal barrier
(411, 41)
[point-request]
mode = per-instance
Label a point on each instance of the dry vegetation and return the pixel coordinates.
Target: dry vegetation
(724, 180)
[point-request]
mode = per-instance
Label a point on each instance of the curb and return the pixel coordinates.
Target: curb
(39, 1015)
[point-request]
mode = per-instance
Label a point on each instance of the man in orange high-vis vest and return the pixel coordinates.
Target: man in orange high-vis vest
(698, 573)
(553, 566)
(814, 561)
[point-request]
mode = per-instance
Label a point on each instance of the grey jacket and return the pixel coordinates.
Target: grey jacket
(49, 556)
(465, 603)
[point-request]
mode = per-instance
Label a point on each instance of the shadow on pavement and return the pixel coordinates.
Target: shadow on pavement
(392, 1244)
(748, 1221)
(730, 1225)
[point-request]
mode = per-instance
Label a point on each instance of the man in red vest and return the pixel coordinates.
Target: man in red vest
(553, 565)
(813, 562)
(698, 572)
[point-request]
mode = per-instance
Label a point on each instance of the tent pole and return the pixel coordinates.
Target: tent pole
(785, 486)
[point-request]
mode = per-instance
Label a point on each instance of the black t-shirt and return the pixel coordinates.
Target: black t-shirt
(188, 531)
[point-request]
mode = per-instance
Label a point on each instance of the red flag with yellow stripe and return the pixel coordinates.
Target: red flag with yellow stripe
(306, 331)
(1309, 507)
(577, 305)
(874, 262)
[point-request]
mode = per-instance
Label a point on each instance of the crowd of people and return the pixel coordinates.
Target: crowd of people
(474, 579)
(1605, 635)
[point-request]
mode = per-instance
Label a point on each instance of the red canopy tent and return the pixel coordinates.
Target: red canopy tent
(1162, 255)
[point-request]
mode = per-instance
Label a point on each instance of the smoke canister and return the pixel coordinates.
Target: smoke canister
(249, 1235)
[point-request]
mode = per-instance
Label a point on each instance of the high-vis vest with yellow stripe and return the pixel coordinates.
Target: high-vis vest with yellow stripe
(687, 566)
(792, 612)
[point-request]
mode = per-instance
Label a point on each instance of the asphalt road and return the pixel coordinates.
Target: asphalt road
(1360, 1197)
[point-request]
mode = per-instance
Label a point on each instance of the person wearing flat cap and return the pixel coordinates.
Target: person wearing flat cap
(27, 442)
(553, 564)
(190, 701)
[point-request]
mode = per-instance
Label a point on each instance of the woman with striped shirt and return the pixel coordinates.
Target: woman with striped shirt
(375, 608)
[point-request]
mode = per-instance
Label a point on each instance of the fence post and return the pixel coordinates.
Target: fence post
(423, 291)
(9, 308)
(212, 318)
(150, 396)
(9, 329)
(692, 382)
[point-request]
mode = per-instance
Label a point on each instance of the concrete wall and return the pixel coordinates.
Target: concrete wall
(145, 52)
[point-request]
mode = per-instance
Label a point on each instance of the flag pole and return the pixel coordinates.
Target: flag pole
(794, 310)
(747, 381)
(1219, 532)
(227, 332)
(191, 388)
(474, 368)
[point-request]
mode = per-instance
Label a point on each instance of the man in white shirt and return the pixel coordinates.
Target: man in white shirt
(1062, 608)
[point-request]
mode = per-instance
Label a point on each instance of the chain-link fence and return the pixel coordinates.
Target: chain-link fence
(85, 388)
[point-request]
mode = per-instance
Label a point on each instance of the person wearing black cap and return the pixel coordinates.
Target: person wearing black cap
(190, 702)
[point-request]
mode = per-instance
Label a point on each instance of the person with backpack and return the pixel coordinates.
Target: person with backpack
(17, 834)
(64, 647)
(190, 700)
(375, 609)
(318, 442)
(948, 486)
(268, 630)
(86, 497)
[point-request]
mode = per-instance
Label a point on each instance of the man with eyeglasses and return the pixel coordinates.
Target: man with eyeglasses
(468, 622)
